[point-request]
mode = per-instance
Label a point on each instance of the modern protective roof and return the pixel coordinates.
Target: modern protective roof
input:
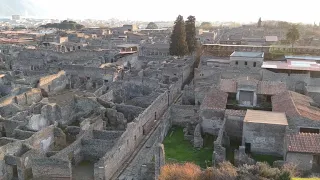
(265, 117)
(303, 65)
(247, 54)
(314, 58)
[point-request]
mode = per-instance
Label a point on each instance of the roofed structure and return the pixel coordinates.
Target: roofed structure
(247, 54)
(265, 117)
(215, 99)
(303, 142)
(295, 105)
(263, 87)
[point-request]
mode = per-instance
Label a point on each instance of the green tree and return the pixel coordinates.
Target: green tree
(259, 22)
(293, 35)
(178, 44)
(152, 25)
(191, 33)
(206, 26)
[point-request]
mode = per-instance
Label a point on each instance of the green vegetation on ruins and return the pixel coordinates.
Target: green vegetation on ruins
(179, 150)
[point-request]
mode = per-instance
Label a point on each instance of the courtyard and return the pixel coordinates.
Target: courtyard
(179, 150)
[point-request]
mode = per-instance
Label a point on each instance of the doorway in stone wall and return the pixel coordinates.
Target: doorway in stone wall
(14, 172)
(248, 148)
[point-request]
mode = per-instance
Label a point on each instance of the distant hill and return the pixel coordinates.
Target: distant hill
(19, 7)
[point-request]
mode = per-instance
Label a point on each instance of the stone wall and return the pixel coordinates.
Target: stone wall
(181, 115)
(133, 135)
(302, 160)
(92, 72)
(234, 126)
(51, 168)
(265, 138)
(53, 83)
(219, 153)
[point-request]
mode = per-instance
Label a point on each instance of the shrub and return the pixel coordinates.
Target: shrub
(284, 175)
(292, 169)
(187, 171)
(225, 171)
(266, 171)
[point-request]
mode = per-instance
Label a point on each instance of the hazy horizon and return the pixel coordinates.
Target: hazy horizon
(244, 11)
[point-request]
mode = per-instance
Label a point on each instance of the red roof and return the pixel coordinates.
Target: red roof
(302, 65)
(295, 105)
(214, 99)
(228, 85)
(271, 87)
(304, 143)
(263, 87)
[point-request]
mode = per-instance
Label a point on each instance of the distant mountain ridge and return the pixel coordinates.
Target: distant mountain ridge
(19, 7)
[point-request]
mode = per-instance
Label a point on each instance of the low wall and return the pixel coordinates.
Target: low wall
(46, 168)
(127, 143)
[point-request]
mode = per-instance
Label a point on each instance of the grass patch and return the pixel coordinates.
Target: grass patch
(265, 158)
(305, 178)
(179, 150)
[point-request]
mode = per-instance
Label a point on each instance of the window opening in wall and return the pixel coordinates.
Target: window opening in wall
(155, 115)
(135, 137)
(236, 62)
(310, 130)
(254, 64)
(245, 63)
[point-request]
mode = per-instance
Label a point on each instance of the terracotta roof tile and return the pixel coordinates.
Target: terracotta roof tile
(295, 105)
(271, 87)
(214, 99)
(228, 85)
(303, 142)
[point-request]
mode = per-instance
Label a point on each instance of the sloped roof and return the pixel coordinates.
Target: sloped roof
(304, 143)
(295, 105)
(265, 117)
(228, 85)
(214, 99)
(271, 87)
(263, 87)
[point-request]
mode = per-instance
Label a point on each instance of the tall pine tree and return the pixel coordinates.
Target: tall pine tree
(191, 34)
(178, 44)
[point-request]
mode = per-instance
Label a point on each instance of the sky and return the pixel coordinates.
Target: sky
(306, 11)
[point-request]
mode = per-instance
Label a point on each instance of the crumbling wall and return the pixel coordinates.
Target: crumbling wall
(53, 83)
(234, 126)
(51, 168)
(219, 153)
(128, 141)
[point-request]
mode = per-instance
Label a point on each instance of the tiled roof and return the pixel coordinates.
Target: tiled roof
(232, 112)
(295, 105)
(303, 142)
(247, 81)
(265, 117)
(263, 87)
(214, 99)
(271, 87)
(228, 85)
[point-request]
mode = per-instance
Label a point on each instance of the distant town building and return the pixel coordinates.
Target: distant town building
(16, 17)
